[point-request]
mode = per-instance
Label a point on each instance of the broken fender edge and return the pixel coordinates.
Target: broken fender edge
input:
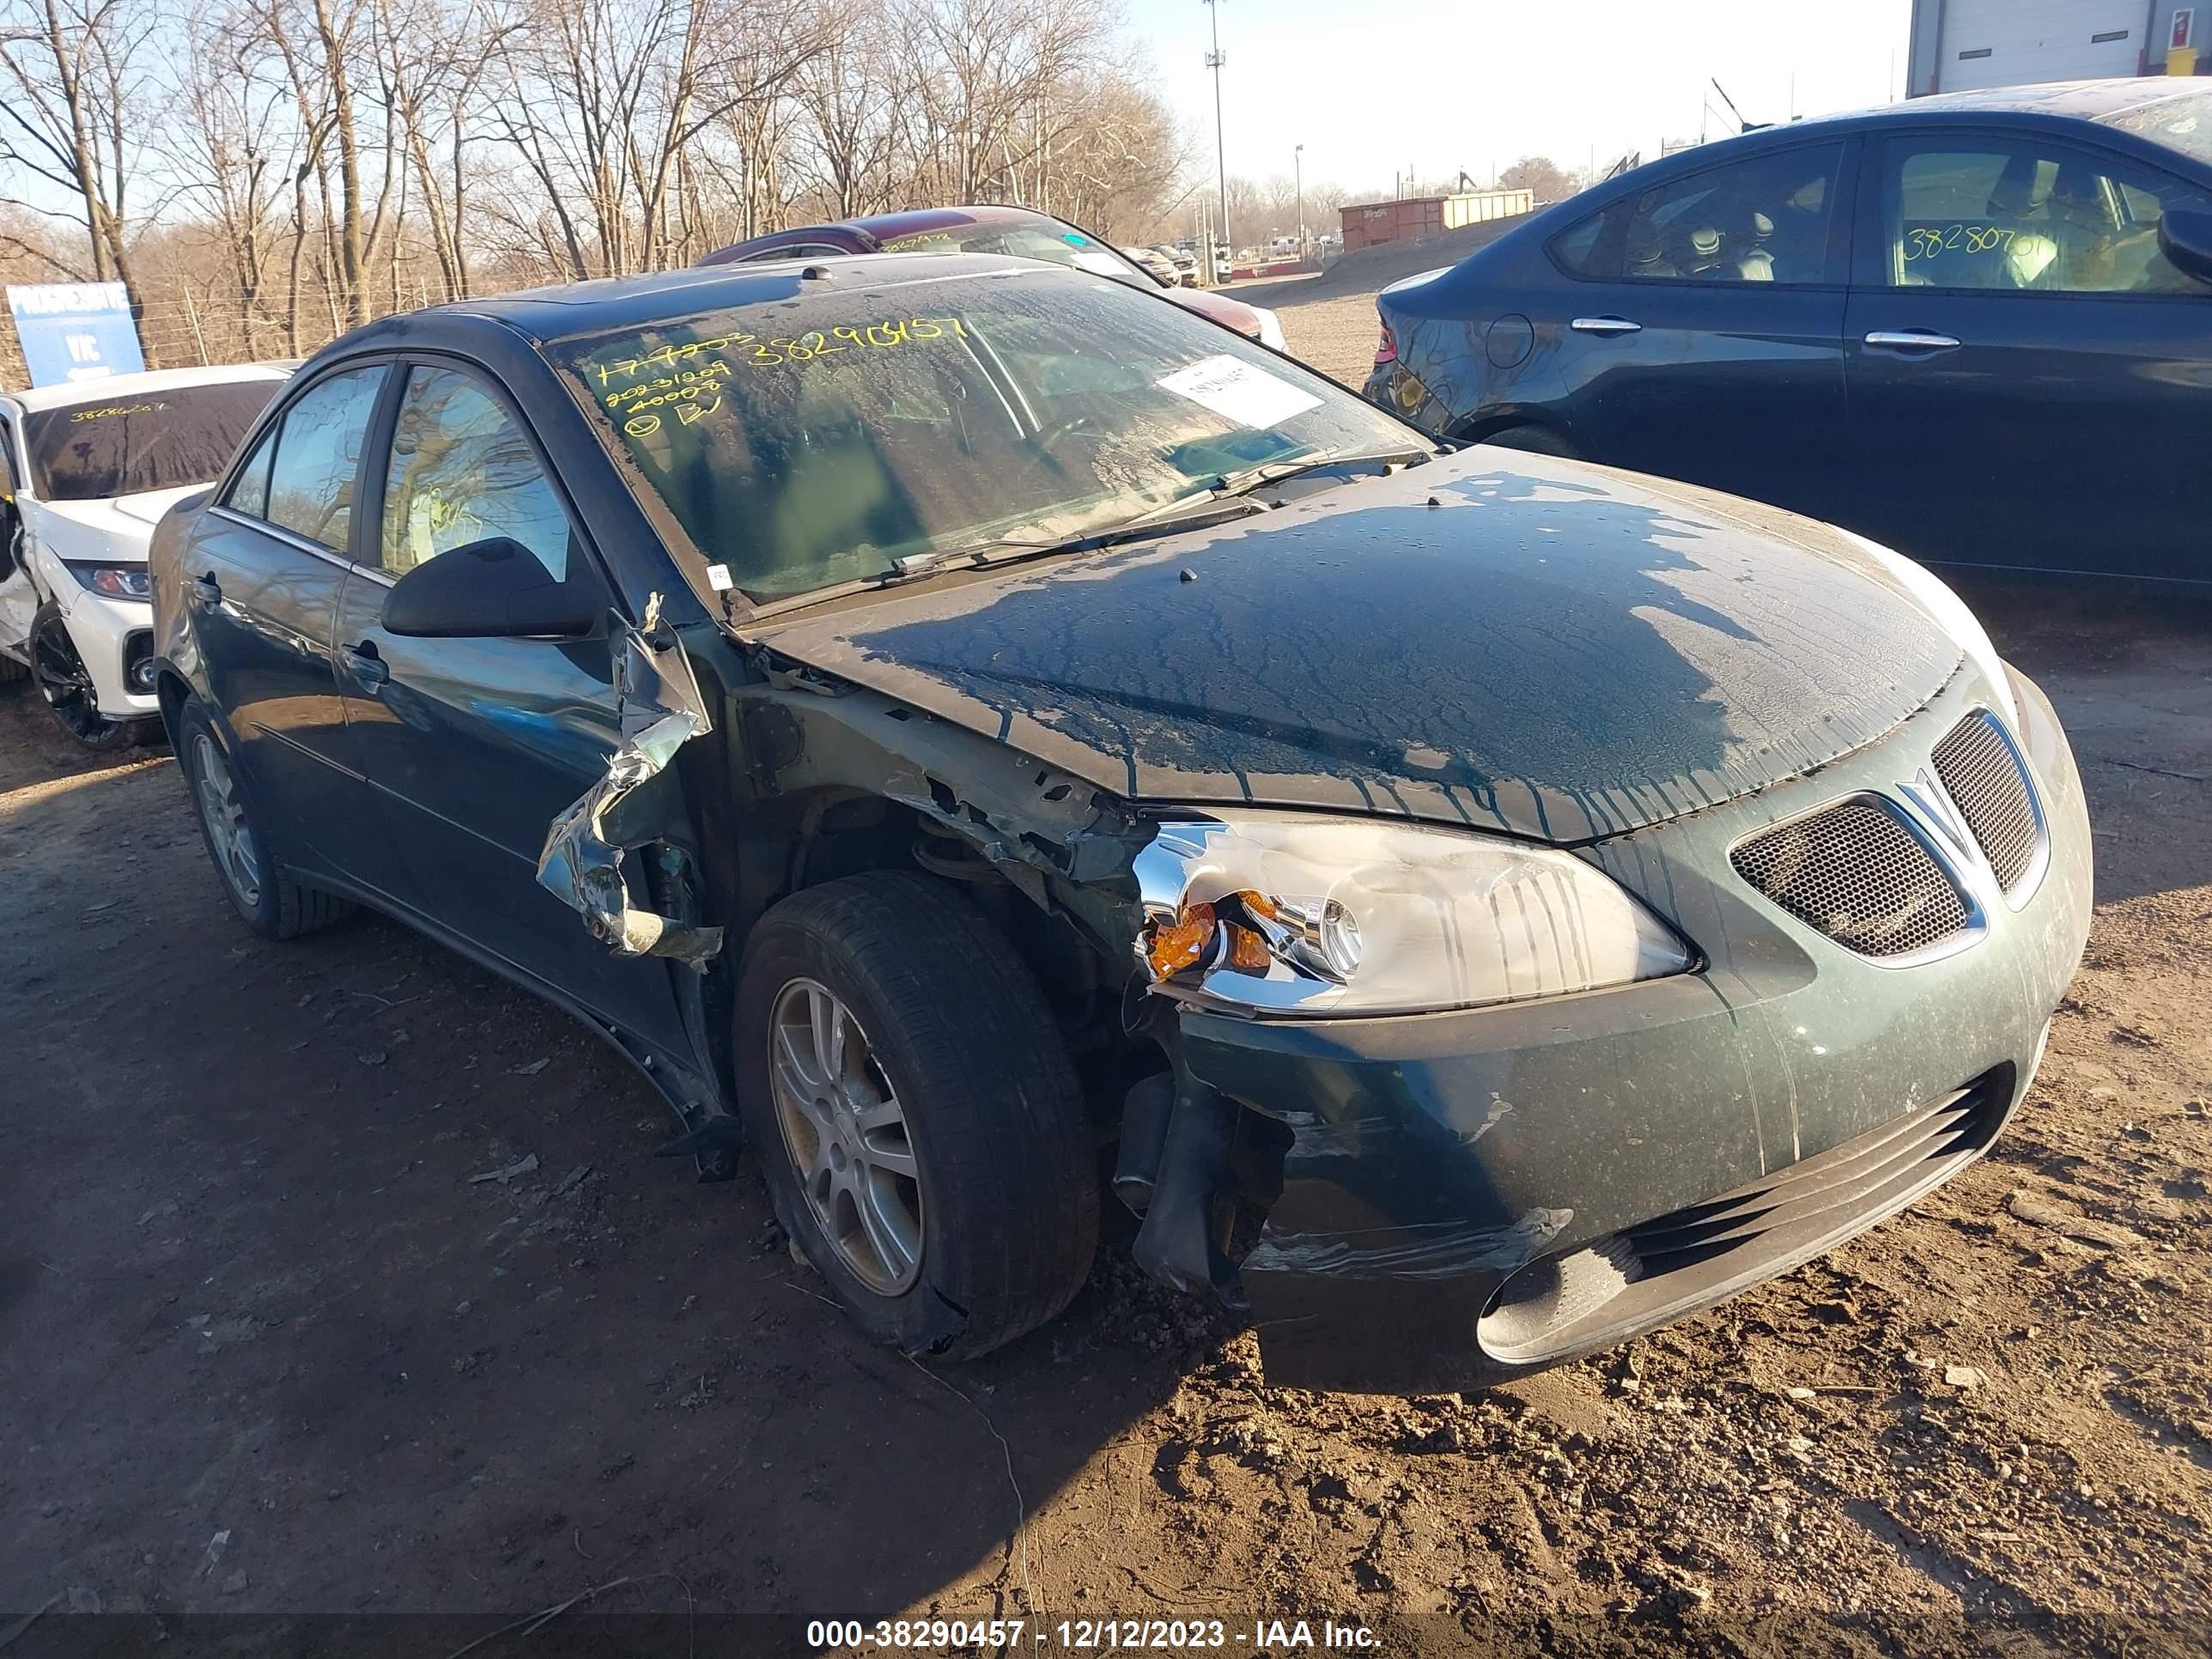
(656, 699)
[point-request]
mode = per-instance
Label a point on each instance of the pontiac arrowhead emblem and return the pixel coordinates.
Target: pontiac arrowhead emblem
(1935, 804)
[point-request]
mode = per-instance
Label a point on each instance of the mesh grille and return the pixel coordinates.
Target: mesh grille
(1858, 875)
(1976, 766)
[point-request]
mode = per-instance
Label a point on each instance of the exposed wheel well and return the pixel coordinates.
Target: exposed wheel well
(848, 833)
(172, 691)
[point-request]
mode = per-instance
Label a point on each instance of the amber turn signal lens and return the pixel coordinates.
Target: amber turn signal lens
(1248, 952)
(1176, 944)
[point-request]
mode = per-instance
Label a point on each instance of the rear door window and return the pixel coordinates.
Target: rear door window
(249, 490)
(1579, 248)
(315, 471)
(1762, 219)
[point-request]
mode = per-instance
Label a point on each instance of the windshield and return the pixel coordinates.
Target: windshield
(93, 452)
(833, 438)
(1026, 239)
(2184, 123)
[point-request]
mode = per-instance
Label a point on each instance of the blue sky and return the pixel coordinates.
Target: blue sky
(1371, 86)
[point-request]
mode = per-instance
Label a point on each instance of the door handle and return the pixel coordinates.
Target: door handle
(207, 590)
(1911, 339)
(1607, 325)
(365, 665)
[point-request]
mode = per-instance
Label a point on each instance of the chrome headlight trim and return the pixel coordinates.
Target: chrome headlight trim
(1371, 916)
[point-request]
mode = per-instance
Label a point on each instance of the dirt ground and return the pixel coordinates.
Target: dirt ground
(271, 1342)
(1329, 318)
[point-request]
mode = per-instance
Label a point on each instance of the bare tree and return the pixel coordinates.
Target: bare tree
(1539, 174)
(75, 117)
(291, 168)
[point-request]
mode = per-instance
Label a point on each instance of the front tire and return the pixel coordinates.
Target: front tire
(918, 1123)
(267, 900)
(66, 685)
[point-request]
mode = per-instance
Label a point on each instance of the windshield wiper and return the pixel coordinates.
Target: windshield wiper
(1266, 472)
(1220, 497)
(1183, 512)
(1225, 496)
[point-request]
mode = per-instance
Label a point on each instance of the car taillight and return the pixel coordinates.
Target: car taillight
(1386, 350)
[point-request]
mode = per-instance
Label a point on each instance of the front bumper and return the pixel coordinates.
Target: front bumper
(110, 636)
(1718, 1127)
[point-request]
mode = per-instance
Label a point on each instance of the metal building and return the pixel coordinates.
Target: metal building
(1960, 44)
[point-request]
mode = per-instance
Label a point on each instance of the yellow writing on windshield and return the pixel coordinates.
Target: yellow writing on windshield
(669, 356)
(689, 381)
(877, 336)
(107, 410)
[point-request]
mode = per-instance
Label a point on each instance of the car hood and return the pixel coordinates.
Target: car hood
(1218, 307)
(116, 529)
(1540, 646)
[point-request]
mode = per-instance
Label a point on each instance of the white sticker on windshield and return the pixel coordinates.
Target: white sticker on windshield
(1240, 391)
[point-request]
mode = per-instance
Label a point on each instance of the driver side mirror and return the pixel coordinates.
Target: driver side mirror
(495, 588)
(2185, 236)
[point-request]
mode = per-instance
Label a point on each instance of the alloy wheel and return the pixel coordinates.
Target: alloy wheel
(229, 835)
(66, 683)
(847, 1137)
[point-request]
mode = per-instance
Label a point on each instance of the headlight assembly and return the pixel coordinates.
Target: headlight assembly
(114, 581)
(1341, 916)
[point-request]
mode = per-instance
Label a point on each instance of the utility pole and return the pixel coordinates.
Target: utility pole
(1298, 183)
(1214, 60)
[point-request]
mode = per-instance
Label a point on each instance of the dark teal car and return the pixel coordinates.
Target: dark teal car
(1977, 327)
(979, 739)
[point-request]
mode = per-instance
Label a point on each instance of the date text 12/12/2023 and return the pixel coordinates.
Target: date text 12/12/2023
(1257, 1635)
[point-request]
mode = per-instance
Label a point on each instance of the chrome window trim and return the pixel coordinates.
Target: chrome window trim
(293, 539)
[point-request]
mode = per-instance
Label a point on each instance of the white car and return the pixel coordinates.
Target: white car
(86, 472)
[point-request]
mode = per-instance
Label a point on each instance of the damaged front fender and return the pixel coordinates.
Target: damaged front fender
(661, 710)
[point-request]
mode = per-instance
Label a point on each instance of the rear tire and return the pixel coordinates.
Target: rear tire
(943, 1059)
(267, 900)
(11, 672)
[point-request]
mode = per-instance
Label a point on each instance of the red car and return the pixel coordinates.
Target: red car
(1010, 230)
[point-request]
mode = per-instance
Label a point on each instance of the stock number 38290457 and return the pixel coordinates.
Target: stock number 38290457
(1077, 1634)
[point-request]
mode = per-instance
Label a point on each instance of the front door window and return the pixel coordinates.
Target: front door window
(462, 471)
(2007, 215)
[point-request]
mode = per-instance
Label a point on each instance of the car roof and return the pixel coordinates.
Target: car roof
(576, 308)
(885, 226)
(2055, 104)
(110, 386)
(2085, 100)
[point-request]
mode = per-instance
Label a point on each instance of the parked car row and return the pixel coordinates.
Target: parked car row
(1978, 327)
(983, 740)
(1019, 232)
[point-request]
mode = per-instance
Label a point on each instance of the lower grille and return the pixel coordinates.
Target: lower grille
(1982, 775)
(1856, 873)
(1692, 1257)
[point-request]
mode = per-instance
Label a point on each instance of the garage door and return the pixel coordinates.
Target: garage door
(2017, 43)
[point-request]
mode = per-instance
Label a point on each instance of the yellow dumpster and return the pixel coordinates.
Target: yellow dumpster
(2181, 60)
